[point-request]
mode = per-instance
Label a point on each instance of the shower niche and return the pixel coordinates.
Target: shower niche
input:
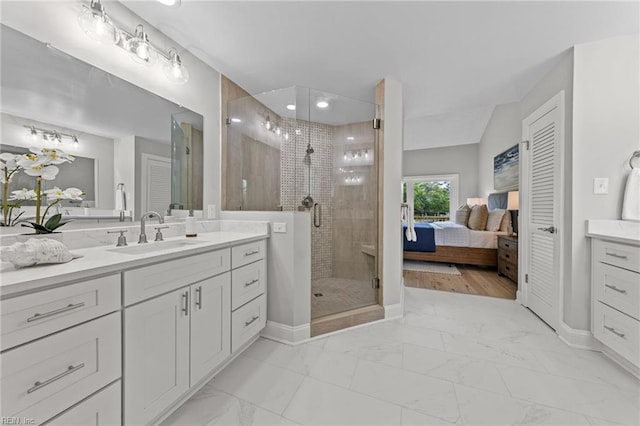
(302, 150)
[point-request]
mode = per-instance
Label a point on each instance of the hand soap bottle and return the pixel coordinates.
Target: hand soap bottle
(191, 225)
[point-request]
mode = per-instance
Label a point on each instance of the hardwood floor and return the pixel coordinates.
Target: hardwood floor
(477, 280)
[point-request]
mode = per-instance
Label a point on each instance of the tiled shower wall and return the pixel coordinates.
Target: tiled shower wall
(295, 184)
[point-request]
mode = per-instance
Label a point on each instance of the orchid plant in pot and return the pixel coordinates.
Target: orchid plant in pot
(41, 164)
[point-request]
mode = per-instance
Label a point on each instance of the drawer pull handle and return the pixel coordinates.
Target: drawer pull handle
(69, 307)
(39, 385)
(507, 256)
(507, 268)
(251, 321)
(252, 282)
(619, 256)
(185, 306)
(614, 331)
(614, 288)
(506, 245)
(251, 253)
(199, 297)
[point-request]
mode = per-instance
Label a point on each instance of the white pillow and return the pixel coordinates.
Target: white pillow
(495, 219)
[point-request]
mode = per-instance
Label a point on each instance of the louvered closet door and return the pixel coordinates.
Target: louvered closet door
(543, 161)
(156, 183)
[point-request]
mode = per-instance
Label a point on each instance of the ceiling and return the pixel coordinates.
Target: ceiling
(455, 60)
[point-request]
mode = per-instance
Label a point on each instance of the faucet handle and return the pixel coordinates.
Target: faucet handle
(122, 239)
(159, 229)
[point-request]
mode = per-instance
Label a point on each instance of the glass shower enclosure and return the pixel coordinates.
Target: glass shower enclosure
(299, 149)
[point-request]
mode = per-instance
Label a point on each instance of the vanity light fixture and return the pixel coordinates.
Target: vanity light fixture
(50, 135)
(322, 104)
(366, 153)
(95, 22)
(350, 138)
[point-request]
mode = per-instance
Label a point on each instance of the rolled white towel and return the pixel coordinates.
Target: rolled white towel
(120, 201)
(631, 200)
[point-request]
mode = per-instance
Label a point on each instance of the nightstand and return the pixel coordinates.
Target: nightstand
(508, 257)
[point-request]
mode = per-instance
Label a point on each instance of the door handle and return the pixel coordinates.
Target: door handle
(550, 229)
(317, 215)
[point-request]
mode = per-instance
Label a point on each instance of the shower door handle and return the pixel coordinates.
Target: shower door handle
(317, 215)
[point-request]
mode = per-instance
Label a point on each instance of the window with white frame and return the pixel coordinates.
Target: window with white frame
(434, 197)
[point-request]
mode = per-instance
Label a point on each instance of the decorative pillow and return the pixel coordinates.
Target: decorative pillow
(506, 222)
(495, 219)
(462, 215)
(478, 218)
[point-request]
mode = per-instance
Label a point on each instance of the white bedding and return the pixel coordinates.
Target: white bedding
(452, 234)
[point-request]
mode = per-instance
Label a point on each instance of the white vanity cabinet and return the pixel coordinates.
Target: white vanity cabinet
(173, 341)
(615, 292)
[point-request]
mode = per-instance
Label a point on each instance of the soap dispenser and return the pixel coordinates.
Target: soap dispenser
(191, 225)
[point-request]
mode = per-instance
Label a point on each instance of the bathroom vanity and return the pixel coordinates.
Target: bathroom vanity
(125, 335)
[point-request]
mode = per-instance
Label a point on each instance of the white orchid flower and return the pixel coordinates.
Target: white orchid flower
(68, 194)
(41, 170)
(52, 155)
(73, 193)
(23, 194)
(8, 161)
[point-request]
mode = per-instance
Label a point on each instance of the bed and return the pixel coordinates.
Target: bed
(454, 243)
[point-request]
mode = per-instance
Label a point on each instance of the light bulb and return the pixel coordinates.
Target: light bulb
(139, 47)
(236, 120)
(291, 107)
(366, 153)
(174, 70)
(75, 141)
(33, 133)
(142, 51)
(322, 104)
(350, 138)
(345, 156)
(96, 24)
(278, 131)
(286, 136)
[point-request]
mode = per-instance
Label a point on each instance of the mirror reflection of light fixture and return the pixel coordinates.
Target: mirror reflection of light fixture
(139, 46)
(95, 23)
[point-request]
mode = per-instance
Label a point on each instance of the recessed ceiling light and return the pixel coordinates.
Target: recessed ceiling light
(322, 104)
(236, 120)
(291, 107)
(350, 138)
(169, 2)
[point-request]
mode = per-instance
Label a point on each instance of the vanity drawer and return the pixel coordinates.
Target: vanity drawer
(618, 331)
(43, 378)
(144, 283)
(617, 288)
(101, 409)
(248, 253)
(621, 255)
(247, 283)
(247, 321)
(28, 317)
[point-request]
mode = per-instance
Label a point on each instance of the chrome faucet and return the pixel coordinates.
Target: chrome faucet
(143, 235)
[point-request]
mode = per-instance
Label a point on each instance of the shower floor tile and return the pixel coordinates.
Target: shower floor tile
(333, 295)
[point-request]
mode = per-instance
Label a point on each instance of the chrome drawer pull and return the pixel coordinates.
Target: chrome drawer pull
(251, 321)
(614, 288)
(199, 297)
(251, 253)
(619, 256)
(69, 370)
(69, 307)
(614, 331)
(185, 306)
(252, 282)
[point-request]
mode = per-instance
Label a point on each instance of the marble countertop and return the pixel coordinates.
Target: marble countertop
(104, 260)
(622, 231)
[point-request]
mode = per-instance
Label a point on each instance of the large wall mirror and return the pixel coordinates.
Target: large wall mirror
(125, 134)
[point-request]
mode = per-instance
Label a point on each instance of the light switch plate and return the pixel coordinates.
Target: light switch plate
(600, 185)
(280, 228)
(211, 211)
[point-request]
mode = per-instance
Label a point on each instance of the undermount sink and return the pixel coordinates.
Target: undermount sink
(153, 247)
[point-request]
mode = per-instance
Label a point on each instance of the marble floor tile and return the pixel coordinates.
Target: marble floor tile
(484, 408)
(399, 332)
(210, 406)
(335, 368)
(597, 400)
(364, 345)
(262, 384)
(413, 418)
(411, 390)
(318, 403)
(454, 368)
(298, 359)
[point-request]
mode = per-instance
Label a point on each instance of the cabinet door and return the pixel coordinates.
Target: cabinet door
(156, 355)
(210, 325)
(101, 409)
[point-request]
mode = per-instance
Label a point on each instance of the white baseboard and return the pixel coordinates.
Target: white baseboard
(622, 362)
(287, 334)
(393, 311)
(580, 339)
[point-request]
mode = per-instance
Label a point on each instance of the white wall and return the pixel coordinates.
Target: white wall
(100, 149)
(392, 183)
(502, 132)
(56, 22)
(606, 131)
(461, 160)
